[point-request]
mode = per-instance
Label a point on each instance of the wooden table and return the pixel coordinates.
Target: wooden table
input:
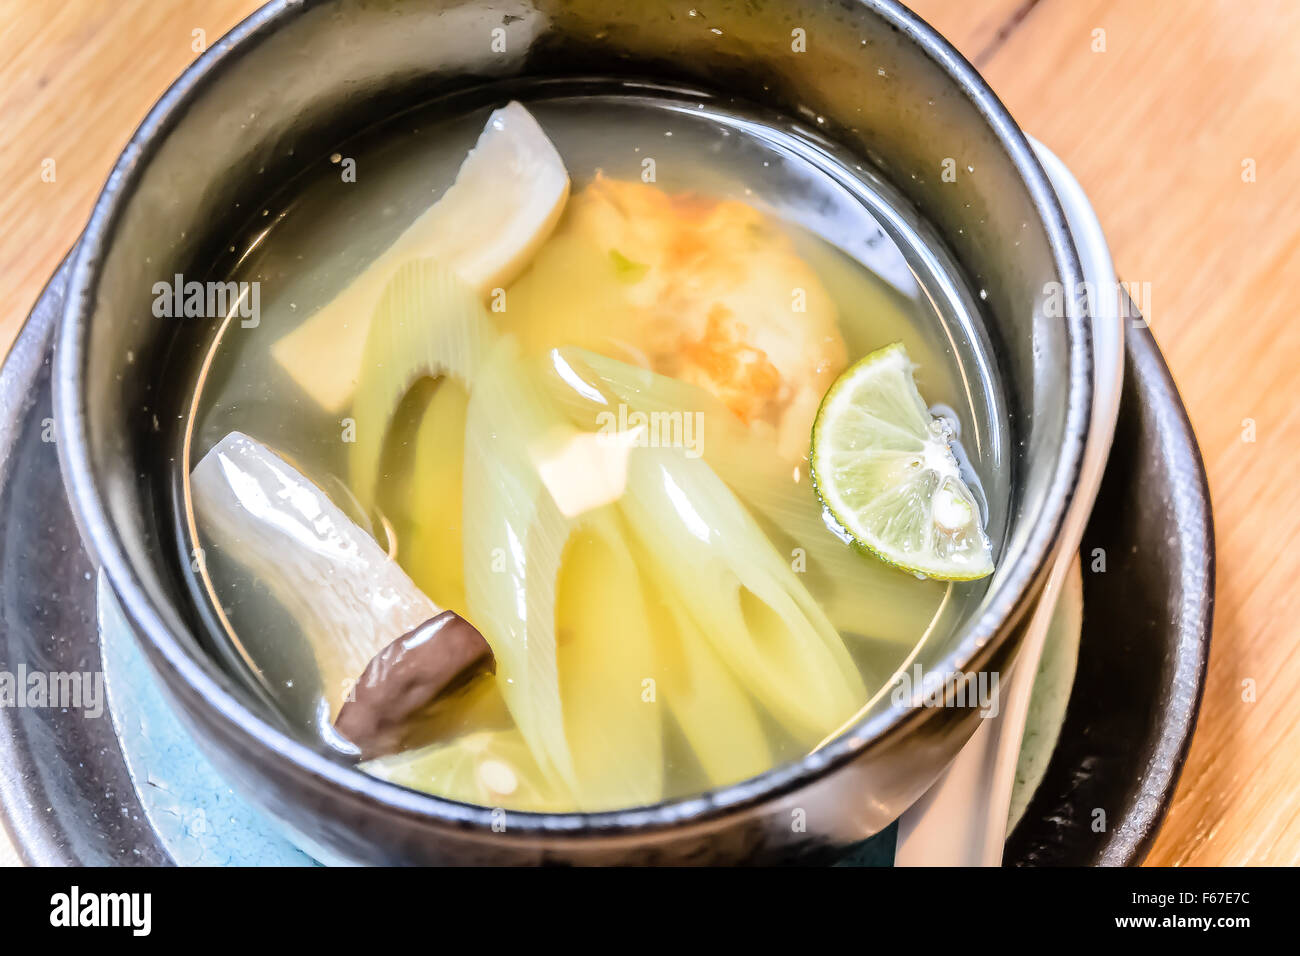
(1158, 106)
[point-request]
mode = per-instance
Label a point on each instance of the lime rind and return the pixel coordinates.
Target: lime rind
(883, 467)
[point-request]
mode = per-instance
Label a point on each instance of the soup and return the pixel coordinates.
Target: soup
(507, 490)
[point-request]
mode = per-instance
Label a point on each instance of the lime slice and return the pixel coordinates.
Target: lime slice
(882, 465)
(490, 768)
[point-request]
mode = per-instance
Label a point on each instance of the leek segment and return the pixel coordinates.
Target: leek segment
(507, 197)
(704, 547)
(612, 716)
(514, 540)
(429, 536)
(428, 323)
(715, 715)
(859, 594)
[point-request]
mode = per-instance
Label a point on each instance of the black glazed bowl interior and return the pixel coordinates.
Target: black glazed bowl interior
(296, 79)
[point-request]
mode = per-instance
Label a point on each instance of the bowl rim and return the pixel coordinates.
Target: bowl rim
(982, 638)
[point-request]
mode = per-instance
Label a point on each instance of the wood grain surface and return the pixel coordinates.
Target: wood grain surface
(1180, 119)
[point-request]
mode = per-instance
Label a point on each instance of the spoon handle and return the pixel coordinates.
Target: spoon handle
(962, 819)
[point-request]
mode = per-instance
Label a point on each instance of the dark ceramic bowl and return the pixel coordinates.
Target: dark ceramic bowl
(298, 78)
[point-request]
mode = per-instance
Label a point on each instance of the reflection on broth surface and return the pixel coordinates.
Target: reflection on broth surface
(570, 400)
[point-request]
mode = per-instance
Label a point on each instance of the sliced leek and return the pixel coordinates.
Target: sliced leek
(716, 716)
(428, 519)
(514, 537)
(613, 719)
(704, 547)
(428, 323)
(860, 595)
(507, 197)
